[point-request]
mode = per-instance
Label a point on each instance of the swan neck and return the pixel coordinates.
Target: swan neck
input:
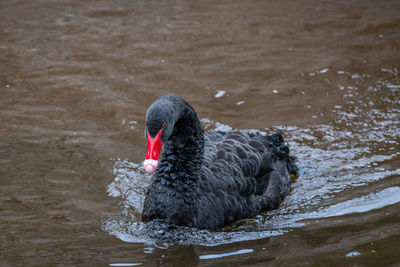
(183, 152)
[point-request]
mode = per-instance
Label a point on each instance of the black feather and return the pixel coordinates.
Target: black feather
(208, 180)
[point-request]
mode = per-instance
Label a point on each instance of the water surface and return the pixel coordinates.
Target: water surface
(77, 77)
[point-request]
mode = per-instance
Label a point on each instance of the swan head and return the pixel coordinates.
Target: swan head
(160, 120)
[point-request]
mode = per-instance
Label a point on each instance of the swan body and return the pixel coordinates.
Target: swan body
(208, 180)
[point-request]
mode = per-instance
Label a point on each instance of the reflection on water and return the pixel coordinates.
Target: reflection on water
(216, 256)
(76, 79)
(125, 264)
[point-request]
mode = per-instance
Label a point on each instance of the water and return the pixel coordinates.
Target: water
(76, 79)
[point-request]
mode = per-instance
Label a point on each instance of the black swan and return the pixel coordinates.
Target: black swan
(208, 180)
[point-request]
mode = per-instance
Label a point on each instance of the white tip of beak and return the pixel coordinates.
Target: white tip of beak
(150, 165)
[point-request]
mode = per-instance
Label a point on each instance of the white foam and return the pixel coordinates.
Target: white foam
(219, 93)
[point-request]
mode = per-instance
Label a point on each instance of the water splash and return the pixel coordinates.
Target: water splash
(324, 174)
(355, 152)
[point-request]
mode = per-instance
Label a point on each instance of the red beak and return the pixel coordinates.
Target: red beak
(153, 152)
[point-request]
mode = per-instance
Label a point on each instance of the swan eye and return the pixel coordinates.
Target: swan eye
(164, 125)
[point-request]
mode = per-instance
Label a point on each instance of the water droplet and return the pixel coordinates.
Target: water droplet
(219, 93)
(353, 254)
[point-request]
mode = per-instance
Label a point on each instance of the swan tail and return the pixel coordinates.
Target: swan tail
(283, 152)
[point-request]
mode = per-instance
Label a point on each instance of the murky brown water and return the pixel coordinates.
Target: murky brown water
(77, 76)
